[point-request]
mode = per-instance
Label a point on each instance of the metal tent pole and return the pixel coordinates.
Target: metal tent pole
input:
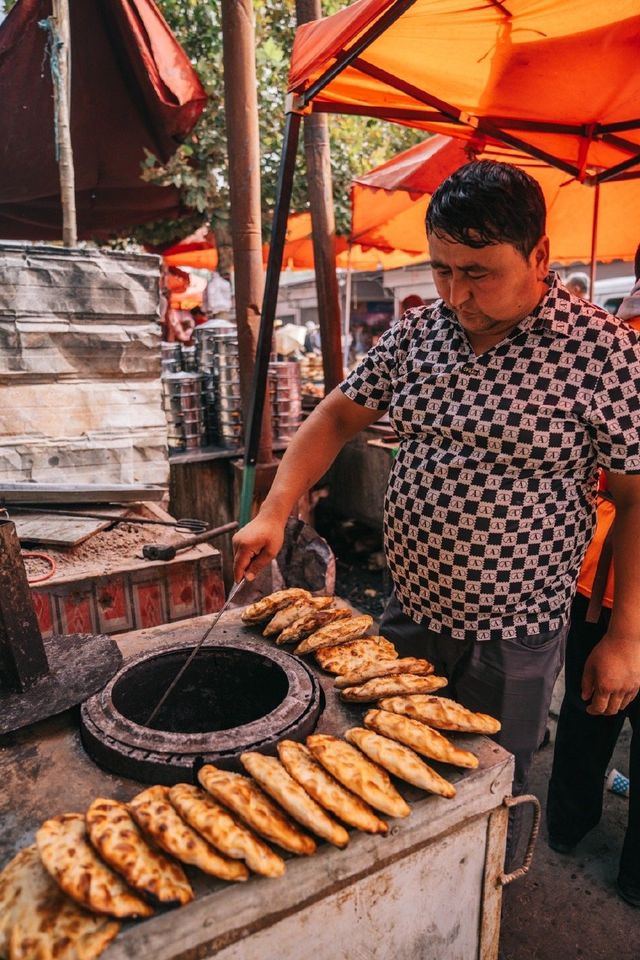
(269, 302)
(347, 309)
(594, 240)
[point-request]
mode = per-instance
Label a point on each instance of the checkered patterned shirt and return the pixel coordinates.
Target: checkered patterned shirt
(490, 503)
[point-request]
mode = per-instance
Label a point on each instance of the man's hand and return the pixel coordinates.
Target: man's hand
(611, 677)
(255, 545)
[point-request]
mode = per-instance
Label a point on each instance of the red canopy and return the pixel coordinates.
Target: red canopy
(132, 86)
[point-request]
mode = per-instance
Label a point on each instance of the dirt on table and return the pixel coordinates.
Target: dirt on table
(104, 551)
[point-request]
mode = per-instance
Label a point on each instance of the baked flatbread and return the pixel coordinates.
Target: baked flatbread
(356, 773)
(384, 668)
(301, 765)
(37, 920)
(389, 686)
(248, 802)
(346, 657)
(156, 816)
(340, 632)
(115, 835)
(266, 607)
(274, 780)
(400, 761)
(78, 870)
(288, 615)
(419, 737)
(442, 713)
(312, 622)
(218, 827)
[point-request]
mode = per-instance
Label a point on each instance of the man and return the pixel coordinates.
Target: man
(584, 741)
(507, 394)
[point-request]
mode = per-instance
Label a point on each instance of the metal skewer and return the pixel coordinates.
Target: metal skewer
(234, 590)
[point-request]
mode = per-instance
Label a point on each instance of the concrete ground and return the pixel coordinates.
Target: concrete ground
(566, 907)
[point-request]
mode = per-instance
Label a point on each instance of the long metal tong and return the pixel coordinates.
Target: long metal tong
(234, 590)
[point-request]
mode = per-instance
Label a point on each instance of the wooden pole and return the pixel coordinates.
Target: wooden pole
(318, 156)
(243, 144)
(62, 93)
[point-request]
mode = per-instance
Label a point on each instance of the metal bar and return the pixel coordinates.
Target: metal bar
(269, 302)
(620, 126)
(457, 116)
(22, 655)
(378, 28)
(612, 172)
(399, 113)
(196, 526)
(594, 241)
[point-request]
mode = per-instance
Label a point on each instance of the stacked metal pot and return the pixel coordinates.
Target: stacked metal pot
(219, 364)
(285, 388)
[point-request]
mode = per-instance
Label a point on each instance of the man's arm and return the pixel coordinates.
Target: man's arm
(611, 676)
(311, 452)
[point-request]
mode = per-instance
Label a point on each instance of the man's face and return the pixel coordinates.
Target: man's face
(490, 289)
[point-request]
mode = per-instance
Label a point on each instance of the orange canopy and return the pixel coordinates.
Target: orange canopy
(555, 78)
(389, 203)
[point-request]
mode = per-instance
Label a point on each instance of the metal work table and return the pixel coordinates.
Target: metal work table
(427, 891)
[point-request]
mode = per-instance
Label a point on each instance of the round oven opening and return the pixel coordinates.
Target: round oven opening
(223, 688)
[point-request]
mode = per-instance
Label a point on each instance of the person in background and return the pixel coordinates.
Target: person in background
(578, 284)
(507, 394)
(410, 301)
(585, 741)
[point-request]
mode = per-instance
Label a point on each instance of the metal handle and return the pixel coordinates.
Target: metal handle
(522, 871)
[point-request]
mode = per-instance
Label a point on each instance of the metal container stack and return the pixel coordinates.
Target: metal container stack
(182, 402)
(285, 388)
(171, 358)
(219, 364)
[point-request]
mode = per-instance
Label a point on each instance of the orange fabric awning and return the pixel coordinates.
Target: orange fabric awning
(389, 203)
(558, 77)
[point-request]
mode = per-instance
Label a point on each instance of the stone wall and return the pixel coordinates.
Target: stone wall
(80, 396)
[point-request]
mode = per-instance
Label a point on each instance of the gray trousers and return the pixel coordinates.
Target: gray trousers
(511, 680)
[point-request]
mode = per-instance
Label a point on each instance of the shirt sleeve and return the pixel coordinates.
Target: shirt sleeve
(614, 414)
(370, 383)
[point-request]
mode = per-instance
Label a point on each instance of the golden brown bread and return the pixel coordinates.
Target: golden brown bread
(252, 805)
(346, 657)
(419, 737)
(37, 920)
(274, 780)
(311, 622)
(356, 773)
(301, 765)
(66, 853)
(288, 615)
(403, 683)
(219, 828)
(384, 668)
(442, 713)
(117, 838)
(400, 761)
(266, 607)
(351, 628)
(155, 815)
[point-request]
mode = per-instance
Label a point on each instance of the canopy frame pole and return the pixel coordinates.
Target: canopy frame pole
(267, 317)
(347, 309)
(613, 172)
(347, 57)
(594, 240)
(62, 89)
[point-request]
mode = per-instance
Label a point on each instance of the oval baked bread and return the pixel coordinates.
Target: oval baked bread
(117, 838)
(348, 765)
(66, 853)
(442, 713)
(400, 761)
(323, 788)
(219, 828)
(351, 628)
(38, 921)
(288, 615)
(419, 737)
(346, 657)
(244, 798)
(266, 607)
(384, 668)
(403, 683)
(155, 815)
(312, 622)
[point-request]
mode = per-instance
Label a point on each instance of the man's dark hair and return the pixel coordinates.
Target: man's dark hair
(485, 202)
(636, 263)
